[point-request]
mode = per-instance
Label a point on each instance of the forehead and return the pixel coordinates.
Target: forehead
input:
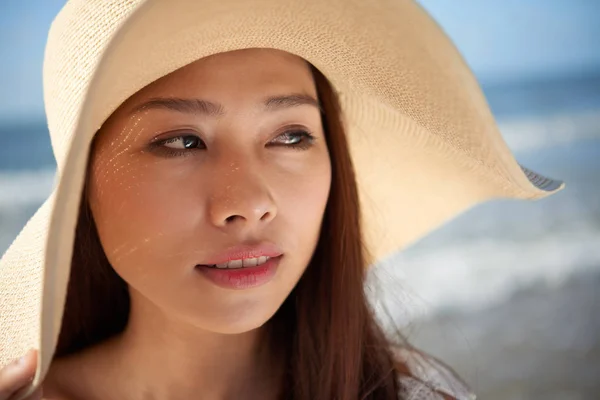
(232, 75)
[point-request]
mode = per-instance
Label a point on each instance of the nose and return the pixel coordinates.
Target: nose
(240, 198)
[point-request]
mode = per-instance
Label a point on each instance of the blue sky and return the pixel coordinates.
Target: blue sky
(501, 40)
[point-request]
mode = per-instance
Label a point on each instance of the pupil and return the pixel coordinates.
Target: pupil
(190, 142)
(293, 139)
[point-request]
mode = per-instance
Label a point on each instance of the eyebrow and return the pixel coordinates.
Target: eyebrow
(291, 100)
(208, 108)
(187, 106)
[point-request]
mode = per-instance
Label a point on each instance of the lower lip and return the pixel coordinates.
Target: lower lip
(241, 278)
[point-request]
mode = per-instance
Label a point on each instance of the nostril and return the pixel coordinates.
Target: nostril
(231, 218)
(258, 215)
(266, 216)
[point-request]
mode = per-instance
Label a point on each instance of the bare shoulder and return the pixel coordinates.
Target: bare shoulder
(429, 378)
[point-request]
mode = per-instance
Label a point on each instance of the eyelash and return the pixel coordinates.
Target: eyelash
(306, 141)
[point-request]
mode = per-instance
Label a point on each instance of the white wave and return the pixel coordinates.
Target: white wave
(477, 274)
(527, 133)
(18, 188)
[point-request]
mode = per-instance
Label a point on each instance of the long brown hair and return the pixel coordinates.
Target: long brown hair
(333, 345)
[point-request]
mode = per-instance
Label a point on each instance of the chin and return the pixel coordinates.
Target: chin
(237, 320)
(237, 327)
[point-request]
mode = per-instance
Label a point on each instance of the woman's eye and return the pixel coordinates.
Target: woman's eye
(296, 139)
(184, 142)
(183, 145)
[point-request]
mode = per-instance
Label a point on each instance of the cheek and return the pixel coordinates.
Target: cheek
(301, 202)
(304, 202)
(143, 214)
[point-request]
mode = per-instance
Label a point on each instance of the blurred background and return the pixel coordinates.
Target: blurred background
(507, 293)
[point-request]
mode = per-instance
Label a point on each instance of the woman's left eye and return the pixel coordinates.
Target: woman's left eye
(298, 139)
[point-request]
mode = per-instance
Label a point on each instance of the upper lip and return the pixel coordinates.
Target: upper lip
(241, 252)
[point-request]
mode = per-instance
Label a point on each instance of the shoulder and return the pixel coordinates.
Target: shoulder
(428, 378)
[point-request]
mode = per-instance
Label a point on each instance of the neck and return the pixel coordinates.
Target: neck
(171, 359)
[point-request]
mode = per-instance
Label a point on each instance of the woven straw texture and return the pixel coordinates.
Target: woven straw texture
(423, 140)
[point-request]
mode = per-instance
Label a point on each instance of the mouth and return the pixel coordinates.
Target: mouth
(243, 256)
(240, 263)
(244, 273)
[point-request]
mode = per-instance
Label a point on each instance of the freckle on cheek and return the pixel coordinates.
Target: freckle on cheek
(122, 140)
(110, 168)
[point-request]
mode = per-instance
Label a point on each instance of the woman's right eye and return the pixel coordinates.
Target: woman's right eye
(184, 142)
(177, 146)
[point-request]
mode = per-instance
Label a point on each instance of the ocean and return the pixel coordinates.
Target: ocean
(506, 291)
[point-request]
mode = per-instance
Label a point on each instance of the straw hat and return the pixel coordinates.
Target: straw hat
(423, 140)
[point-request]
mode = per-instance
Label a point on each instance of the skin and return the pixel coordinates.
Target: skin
(158, 216)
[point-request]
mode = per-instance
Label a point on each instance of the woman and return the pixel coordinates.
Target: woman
(227, 171)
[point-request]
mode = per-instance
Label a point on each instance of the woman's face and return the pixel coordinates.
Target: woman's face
(208, 188)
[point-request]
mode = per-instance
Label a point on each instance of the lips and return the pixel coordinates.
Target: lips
(238, 278)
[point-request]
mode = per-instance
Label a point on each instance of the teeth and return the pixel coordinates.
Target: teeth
(234, 264)
(246, 262)
(250, 262)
